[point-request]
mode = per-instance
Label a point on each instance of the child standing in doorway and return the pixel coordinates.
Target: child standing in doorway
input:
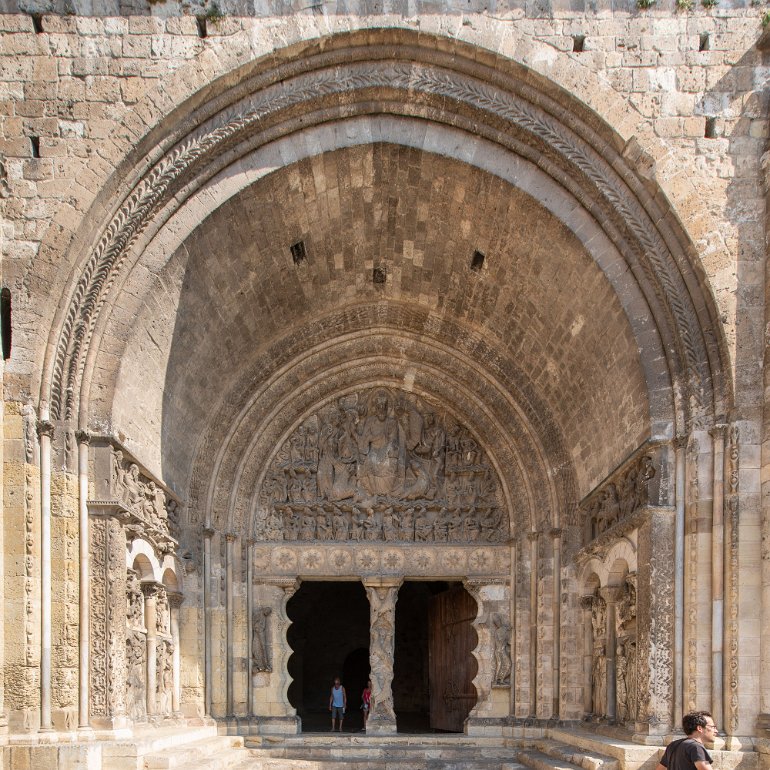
(338, 701)
(366, 700)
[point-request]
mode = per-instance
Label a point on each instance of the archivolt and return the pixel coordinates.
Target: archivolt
(504, 105)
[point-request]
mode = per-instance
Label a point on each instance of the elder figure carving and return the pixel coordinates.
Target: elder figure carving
(501, 633)
(260, 658)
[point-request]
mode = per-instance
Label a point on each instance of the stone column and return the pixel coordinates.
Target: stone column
(655, 624)
(717, 572)
(611, 594)
(730, 678)
(229, 555)
(556, 546)
(533, 536)
(83, 440)
(383, 594)
(45, 433)
(175, 602)
(586, 604)
(150, 591)
(207, 534)
(678, 652)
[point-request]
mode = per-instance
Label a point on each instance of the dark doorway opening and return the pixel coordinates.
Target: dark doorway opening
(433, 662)
(329, 636)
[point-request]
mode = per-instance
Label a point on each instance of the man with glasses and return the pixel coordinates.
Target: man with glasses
(689, 753)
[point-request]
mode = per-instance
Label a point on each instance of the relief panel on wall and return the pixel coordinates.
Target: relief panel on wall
(381, 466)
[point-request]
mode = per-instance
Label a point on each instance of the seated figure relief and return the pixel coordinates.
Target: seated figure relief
(381, 466)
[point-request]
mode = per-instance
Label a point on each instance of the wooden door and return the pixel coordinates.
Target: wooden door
(451, 638)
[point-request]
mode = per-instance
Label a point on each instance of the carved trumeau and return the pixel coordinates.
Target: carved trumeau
(381, 465)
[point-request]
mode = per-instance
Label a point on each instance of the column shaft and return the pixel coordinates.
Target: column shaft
(85, 579)
(46, 435)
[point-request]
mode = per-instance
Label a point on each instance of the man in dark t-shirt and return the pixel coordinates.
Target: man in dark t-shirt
(689, 753)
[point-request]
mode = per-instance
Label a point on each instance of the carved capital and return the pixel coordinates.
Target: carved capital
(175, 599)
(83, 436)
(151, 589)
(680, 442)
(718, 431)
(532, 536)
(231, 537)
(45, 428)
(207, 532)
(611, 594)
(555, 533)
(587, 602)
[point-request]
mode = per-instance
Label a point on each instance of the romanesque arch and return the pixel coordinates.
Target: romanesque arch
(377, 214)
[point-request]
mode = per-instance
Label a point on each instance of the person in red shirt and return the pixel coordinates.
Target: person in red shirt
(366, 700)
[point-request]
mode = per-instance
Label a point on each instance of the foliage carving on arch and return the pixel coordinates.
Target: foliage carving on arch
(381, 465)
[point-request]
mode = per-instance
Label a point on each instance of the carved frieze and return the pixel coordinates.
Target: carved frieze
(146, 503)
(619, 498)
(394, 559)
(381, 466)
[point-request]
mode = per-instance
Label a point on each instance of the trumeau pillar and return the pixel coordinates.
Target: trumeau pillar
(655, 624)
(383, 594)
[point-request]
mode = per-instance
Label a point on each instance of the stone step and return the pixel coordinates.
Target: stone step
(390, 763)
(226, 751)
(539, 760)
(584, 758)
(630, 756)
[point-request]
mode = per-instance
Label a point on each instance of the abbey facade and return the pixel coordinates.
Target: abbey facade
(414, 342)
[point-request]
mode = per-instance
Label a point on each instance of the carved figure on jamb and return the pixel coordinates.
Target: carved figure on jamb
(260, 636)
(381, 465)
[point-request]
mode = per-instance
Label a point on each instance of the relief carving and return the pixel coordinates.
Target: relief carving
(501, 634)
(164, 679)
(145, 501)
(134, 600)
(599, 657)
(619, 498)
(381, 466)
(260, 635)
(162, 611)
(136, 699)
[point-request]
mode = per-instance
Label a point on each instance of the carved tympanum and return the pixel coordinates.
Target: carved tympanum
(381, 465)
